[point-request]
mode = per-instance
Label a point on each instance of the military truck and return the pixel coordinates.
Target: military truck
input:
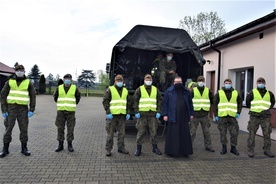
(134, 54)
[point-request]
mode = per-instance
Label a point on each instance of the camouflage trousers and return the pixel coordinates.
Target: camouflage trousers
(253, 125)
(65, 118)
(117, 123)
(205, 125)
(166, 79)
(142, 124)
(19, 113)
(231, 124)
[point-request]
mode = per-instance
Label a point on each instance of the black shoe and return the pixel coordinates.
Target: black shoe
(25, 150)
(124, 151)
(60, 147)
(70, 147)
(234, 150)
(138, 150)
(269, 154)
(223, 150)
(156, 150)
(5, 150)
(108, 153)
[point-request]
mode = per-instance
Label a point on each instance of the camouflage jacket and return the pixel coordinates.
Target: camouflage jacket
(167, 66)
(107, 99)
(250, 97)
(6, 89)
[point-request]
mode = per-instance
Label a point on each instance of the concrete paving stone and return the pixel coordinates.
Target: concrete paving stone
(88, 164)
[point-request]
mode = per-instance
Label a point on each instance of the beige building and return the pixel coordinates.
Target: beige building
(243, 55)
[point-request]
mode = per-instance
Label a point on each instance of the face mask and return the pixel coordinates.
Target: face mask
(261, 86)
(19, 73)
(169, 58)
(178, 86)
(67, 81)
(227, 86)
(200, 84)
(119, 84)
(148, 83)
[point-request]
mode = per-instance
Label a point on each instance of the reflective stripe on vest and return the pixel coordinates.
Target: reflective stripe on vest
(18, 94)
(66, 101)
(259, 103)
(148, 102)
(225, 107)
(201, 102)
(118, 103)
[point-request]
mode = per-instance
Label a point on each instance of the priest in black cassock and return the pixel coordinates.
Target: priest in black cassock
(177, 111)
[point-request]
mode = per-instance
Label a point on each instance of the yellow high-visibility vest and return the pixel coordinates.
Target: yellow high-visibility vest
(148, 102)
(118, 104)
(18, 94)
(201, 102)
(66, 101)
(259, 103)
(225, 107)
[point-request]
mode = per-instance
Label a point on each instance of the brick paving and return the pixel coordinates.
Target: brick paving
(88, 164)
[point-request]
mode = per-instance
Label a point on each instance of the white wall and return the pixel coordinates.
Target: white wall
(243, 53)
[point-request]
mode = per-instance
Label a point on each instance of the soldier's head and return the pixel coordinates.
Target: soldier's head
(19, 71)
(227, 84)
(160, 55)
(261, 83)
(200, 81)
(118, 80)
(169, 56)
(148, 80)
(67, 79)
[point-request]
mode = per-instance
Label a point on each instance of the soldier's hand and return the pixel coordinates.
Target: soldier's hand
(216, 118)
(137, 115)
(237, 116)
(5, 114)
(30, 114)
(157, 115)
(127, 117)
(109, 116)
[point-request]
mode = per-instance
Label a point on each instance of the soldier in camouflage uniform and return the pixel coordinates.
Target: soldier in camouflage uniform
(116, 103)
(67, 96)
(260, 101)
(17, 93)
(147, 107)
(202, 100)
(167, 71)
(227, 107)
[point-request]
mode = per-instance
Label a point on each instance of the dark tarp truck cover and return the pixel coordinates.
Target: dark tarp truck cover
(133, 55)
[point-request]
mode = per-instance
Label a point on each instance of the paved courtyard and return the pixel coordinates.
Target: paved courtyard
(88, 164)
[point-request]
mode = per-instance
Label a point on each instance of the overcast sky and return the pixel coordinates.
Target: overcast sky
(66, 36)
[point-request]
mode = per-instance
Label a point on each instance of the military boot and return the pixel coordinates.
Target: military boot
(250, 153)
(60, 146)
(108, 153)
(269, 153)
(124, 151)
(70, 146)
(25, 150)
(138, 150)
(5, 150)
(224, 149)
(156, 150)
(234, 150)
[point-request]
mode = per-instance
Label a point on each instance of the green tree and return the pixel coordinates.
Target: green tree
(34, 75)
(203, 27)
(86, 79)
(42, 85)
(103, 80)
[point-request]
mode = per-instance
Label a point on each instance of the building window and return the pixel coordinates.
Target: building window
(244, 82)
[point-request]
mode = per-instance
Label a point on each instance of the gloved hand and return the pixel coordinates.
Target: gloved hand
(216, 118)
(109, 116)
(5, 114)
(137, 115)
(237, 116)
(157, 115)
(127, 117)
(30, 114)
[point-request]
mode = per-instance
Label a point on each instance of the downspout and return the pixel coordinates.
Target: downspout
(219, 63)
